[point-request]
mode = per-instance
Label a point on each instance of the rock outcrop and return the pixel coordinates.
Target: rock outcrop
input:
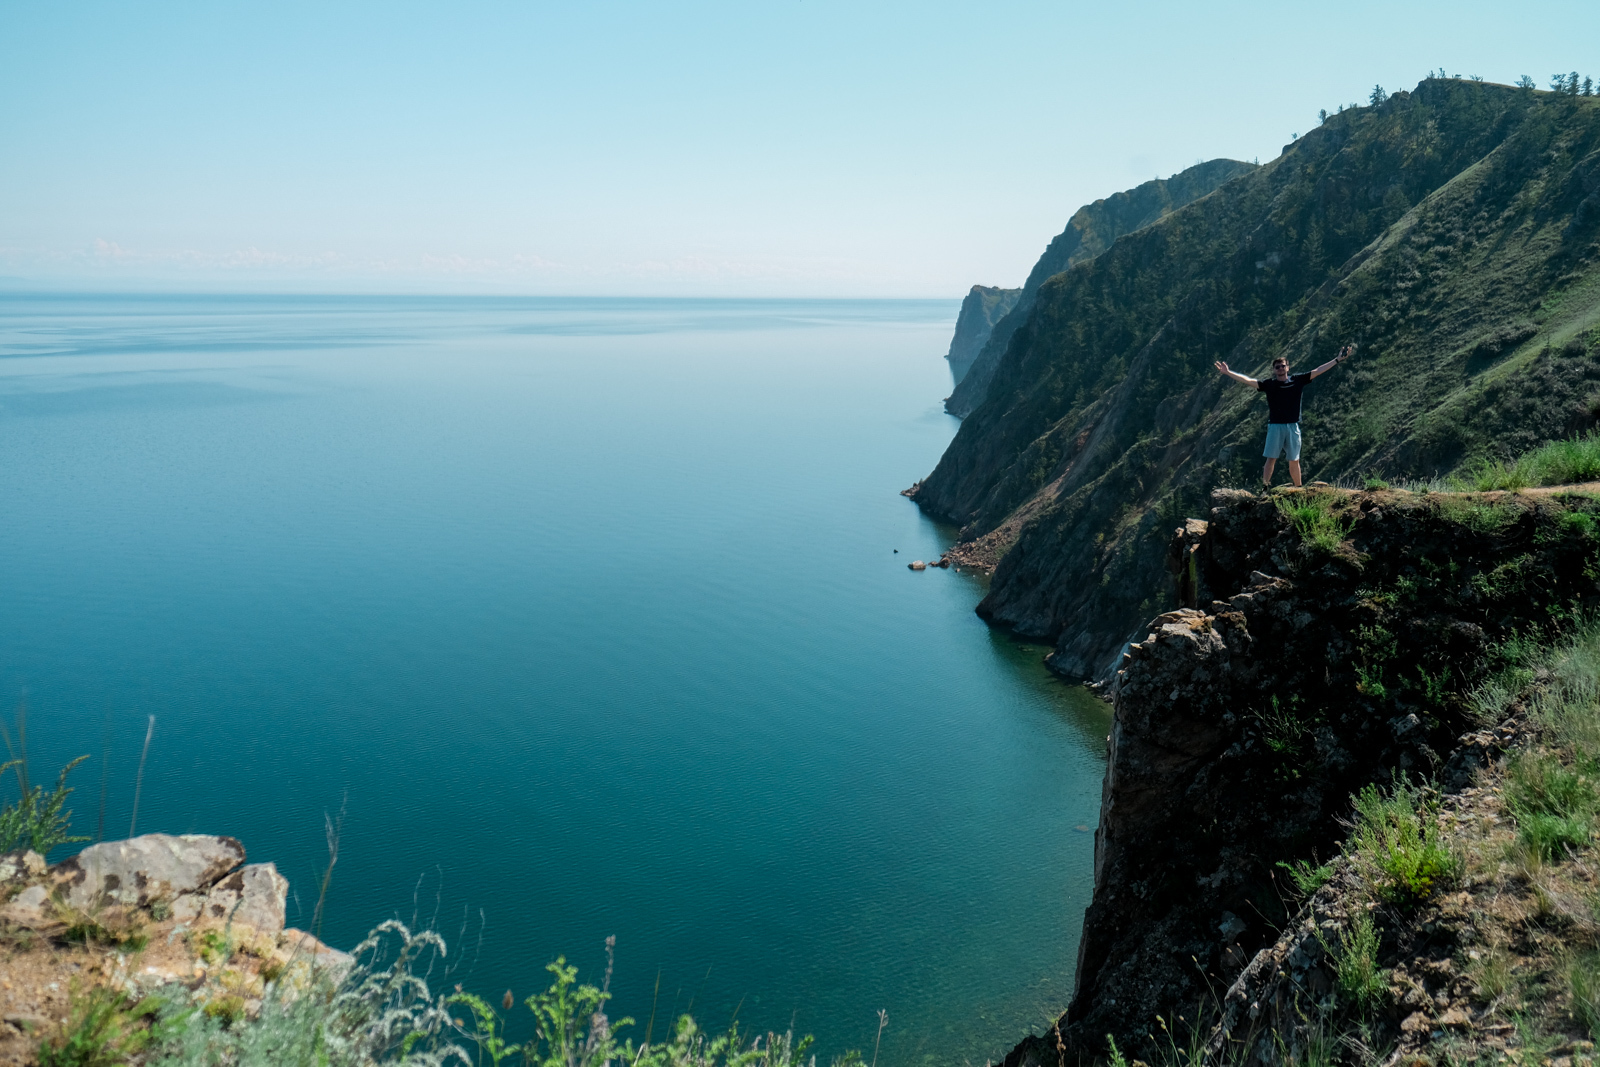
(984, 306)
(1295, 670)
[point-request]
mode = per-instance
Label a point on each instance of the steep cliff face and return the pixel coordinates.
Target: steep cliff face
(1294, 675)
(1451, 231)
(983, 307)
(1091, 230)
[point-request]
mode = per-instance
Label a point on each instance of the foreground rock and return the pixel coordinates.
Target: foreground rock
(146, 870)
(151, 912)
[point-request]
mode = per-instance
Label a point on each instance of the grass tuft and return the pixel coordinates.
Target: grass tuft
(1317, 518)
(1583, 982)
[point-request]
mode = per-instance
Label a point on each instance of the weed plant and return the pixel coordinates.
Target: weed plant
(38, 820)
(1357, 975)
(1397, 845)
(1306, 876)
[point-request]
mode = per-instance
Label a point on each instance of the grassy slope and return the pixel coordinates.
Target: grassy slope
(1092, 229)
(1498, 959)
(1451, 231)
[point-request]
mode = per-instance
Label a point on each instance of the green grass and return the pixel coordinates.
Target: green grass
(1318, 518)
(1583, 982)
(1396, 843)
(1554, 804)
(1576, 459)
(1551, 790)
(1479, 516)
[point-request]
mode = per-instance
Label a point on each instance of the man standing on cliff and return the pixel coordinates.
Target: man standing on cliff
(1283, 409)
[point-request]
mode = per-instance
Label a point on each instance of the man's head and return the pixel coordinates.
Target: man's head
(1280, 369)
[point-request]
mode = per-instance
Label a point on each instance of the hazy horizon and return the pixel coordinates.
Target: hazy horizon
(813, 149)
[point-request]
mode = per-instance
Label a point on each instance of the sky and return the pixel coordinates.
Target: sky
(773, 148)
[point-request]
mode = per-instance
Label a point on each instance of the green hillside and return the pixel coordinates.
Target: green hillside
(1092, 229)
(1450, 231)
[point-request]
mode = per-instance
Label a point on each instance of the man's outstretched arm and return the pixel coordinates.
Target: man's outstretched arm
(1344, 353)
(1235, 375)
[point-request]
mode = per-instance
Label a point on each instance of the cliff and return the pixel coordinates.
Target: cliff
(983, 307)
(1327, 640)
(1091, 230)
(1451, 231)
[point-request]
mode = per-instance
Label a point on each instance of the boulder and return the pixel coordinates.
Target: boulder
(255, 895)
(144, 870)
(917, 565)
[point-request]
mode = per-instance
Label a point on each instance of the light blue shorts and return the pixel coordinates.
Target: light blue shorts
(1283, 437)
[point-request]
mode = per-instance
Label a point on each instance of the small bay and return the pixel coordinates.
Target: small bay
(587, 616)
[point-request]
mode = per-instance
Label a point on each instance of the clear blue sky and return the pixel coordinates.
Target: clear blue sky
(782, 147)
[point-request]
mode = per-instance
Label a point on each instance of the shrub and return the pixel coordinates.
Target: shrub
(1397, 844)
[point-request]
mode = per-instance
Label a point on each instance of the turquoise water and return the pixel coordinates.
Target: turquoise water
(585, 611)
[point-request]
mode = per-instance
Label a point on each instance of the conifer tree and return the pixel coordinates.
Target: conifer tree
(1378, 96)
(1525, 82)
(1588, 86)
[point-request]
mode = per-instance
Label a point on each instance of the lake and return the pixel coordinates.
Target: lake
(586, 613)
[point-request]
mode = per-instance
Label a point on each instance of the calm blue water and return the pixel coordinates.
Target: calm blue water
(586, 611)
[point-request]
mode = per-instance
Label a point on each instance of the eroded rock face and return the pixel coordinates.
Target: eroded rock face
(1244, 725)
(255, 896)
(145, 870)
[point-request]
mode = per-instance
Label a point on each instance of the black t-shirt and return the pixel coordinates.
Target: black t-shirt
(1283, 398)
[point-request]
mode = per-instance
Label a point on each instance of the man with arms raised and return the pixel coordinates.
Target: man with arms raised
(1283, 409)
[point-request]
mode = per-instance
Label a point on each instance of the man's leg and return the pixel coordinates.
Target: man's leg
(1292, 450)
(1266, 473)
